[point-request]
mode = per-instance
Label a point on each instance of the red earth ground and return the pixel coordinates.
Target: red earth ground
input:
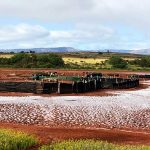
(47, 134)
(20, 74)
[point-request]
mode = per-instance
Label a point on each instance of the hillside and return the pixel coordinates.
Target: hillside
(71, 49)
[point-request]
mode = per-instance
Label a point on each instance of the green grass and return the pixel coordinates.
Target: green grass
(90, 145)
(14, 140)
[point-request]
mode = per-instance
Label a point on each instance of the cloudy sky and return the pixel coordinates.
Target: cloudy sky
(82, 24)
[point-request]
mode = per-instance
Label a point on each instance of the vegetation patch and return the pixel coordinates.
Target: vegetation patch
(87, 61)
(81, 61)
(23, 60)
(90, 145)
(118, 62)
(14, 140)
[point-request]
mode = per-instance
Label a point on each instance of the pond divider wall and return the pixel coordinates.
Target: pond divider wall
(49, 87)
(25, 87)
(86, 85)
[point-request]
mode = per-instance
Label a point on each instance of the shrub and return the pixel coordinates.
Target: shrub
(23, 60)
(144, 61)
(89, 145)
(12, 140)
(50, 60)
(118, 62)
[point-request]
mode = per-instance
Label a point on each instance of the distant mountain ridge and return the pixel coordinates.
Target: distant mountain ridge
(71, 49)
(142, 51)
(42, 50)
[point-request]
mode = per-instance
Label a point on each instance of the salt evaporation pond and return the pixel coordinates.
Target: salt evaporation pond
(129, 109)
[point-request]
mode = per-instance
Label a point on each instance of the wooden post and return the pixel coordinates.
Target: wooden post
(39, 88)
(73, 87)
(85, 84)
(77, 87)
(59, 88)
(95, 82)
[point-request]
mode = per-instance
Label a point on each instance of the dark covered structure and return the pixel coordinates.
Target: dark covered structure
(68, 84)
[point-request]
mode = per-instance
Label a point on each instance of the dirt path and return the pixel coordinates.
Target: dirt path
(47, 135)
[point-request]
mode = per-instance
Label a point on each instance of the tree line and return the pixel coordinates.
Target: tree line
(24, 60)
(32, 60)
(119, 62)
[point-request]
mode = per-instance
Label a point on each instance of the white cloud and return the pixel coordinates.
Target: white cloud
(92, 21)
(27, 36)
(22, 35)
(22, 32)
(125, 11)
(82, 36)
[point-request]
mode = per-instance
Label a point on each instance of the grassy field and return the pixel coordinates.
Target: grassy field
(6, 55)
(12, 140)
(83, 60)
(90, 145)
(89, 63)
(87, 60)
